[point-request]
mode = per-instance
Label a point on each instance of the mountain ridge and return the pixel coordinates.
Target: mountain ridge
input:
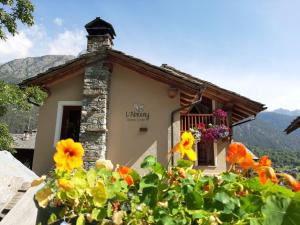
(20, 69)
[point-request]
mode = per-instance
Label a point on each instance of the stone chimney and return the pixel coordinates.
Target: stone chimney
(100, 34)
(96, 90)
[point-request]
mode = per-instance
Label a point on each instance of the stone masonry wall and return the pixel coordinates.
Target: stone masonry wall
(94, 115)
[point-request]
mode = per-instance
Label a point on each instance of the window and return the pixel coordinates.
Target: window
(70, 126)
(206, 155)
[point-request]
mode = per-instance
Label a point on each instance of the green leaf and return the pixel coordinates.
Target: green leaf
(150, 179)
(99, 194)
(256, 221)
(198, 214)
(184, 163)
(91, 177)
(251, 203)
(282, 211)
(52, 218)
(229, 202)
(292, 215)
(98, 214)
(275, 209)
(149, 196)
(229, 177)
(148, 162)
(80, 220)
(166, 220)
(194, 200)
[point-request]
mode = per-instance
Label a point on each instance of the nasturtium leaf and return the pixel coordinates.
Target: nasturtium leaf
(166, 220)
(80, 220)
(121, 196)
(275, 209)
(91, 177)
(198, 214)
(72, 194)
(158, 169)
(148, 162)
(256, 221)
(99, 194)
(229, 202)
(79, 183)
(149, 196)
(251, 203)
(193, 200)
(292, 215)
(151, 163)
(274, 188)
(229, 177)
(52, 218)
(98, 214)
(184, 163)
(150, 179)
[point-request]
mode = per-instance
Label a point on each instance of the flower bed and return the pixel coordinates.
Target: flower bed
(108, 194)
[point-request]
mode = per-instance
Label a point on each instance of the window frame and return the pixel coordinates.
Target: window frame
(59, 115)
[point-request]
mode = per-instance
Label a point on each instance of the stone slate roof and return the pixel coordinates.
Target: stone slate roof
(185, 76)
(21, 143)
(244, 107)
(295, 124)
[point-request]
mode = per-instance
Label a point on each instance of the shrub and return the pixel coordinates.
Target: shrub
(177, 195)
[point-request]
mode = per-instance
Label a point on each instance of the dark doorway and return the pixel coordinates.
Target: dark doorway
(70, 126)
(206, 156)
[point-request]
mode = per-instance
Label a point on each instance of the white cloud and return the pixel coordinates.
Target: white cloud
(17, 46)
(58, 21)
(36, 41)
(68, 42)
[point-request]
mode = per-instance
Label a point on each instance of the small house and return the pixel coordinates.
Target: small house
(123, 108)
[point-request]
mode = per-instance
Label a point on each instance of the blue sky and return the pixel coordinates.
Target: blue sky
(251, 47)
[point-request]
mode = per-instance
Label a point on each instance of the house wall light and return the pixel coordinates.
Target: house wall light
(172, 92)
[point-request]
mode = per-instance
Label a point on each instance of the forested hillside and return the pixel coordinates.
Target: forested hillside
(265, 135)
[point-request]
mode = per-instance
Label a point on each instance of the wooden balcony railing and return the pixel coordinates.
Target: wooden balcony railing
(188, 121)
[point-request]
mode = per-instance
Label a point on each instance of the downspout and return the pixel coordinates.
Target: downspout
(172, 119)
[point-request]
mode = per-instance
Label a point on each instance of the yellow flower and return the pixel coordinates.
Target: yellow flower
(184, 147)
(65, 184)
(38, 181)
(68, 154)
(42, 197)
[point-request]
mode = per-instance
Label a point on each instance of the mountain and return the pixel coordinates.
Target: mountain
(287, 112)
(265, 135)
(20, 69)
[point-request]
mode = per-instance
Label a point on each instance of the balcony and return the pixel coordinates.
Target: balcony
(188, 121)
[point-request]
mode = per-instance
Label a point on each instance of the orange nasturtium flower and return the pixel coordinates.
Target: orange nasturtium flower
(265, 173)
(68, 155)
(236, 152)
(265, 161)
(185, 146)
(124, 173)
(247, 161)
(292, 182)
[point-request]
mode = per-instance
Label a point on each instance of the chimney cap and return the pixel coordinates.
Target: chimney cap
(100, 27)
